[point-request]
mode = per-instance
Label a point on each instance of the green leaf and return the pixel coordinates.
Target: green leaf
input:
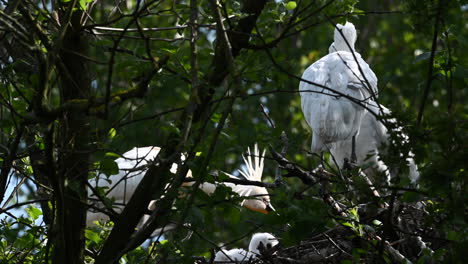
(93, 236)
(112, 155)
(171, 50)
(33, 212)
(83, 4)
(109, 167)
(223, 176)
(348, 224)
(216, 117)
(291, 5)
(112, 132)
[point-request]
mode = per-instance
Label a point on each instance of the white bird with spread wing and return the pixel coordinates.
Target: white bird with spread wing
(133, 166)
(341, 84)
(257, 198)
(238, 255)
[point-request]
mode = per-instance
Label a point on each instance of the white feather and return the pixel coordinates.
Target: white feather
(267, 240)
(333, 117)
(121, 186)
(239, 255)
(349, 32)
(254, 170)
(132, 168)
(235, 255)
(371, 141)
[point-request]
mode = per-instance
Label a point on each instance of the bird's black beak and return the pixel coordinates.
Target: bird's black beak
(270, 208)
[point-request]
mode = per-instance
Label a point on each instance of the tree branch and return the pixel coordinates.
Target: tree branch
(431, 63)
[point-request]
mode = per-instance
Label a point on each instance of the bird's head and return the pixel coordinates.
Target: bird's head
(349, 32)
(262, 240)
(259, 200)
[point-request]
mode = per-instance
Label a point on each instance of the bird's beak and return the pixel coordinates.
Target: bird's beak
(270, 208)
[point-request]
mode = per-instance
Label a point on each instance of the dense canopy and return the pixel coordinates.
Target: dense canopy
(82, 82)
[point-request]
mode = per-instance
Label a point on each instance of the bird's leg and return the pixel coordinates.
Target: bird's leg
(353, 150)
(322, 160)
(350, 164)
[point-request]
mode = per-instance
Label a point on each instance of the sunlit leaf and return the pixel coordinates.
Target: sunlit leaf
(33, 212)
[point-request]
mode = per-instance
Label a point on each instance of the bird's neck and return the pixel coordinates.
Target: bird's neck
(343, 46)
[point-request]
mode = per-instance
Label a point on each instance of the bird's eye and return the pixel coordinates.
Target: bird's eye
(268, 245)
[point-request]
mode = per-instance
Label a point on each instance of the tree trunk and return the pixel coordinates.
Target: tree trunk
(73, 140)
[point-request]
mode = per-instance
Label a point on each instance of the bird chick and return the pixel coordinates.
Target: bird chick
(235, 255)
(264, 241)
(259, 241)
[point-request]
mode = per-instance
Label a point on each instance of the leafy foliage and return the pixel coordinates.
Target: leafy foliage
(149, 82)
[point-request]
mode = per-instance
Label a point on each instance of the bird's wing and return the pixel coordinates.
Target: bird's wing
(241, 190)
(123, 184)
(328, 116)
(254, 169)
(312, 95)
(137, 157)
(369, 76)
(358, 72)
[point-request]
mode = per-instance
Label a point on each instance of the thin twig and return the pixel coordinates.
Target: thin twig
(431, 63)
(262, 108)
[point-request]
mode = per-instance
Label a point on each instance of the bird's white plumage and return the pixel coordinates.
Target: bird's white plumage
(121, 186)
(265, 240)
(260, 199)
(349, 32)
(332, 116)
(371, 141)
(239, 255)
(254, 169)
(235, 255)
(133, 166)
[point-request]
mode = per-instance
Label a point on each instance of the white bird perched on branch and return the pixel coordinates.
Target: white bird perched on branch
(260, 199)
(341, 84)
(120, 187)
(372, 140)
(133, 166)
(239, 255)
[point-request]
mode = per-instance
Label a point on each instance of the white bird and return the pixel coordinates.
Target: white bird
(259, 198)
(132, 168)
(235, 255)
(331, 116)
(372, 140)
(262, 240)
(121, 186)
(239, 255)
